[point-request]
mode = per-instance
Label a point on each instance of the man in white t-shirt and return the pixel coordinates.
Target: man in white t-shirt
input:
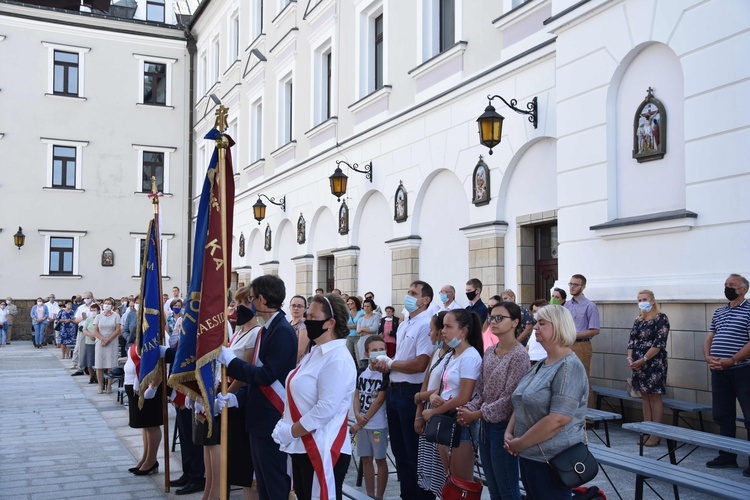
(446, 302)
(53, 307)
(83, 312)
(407, 370)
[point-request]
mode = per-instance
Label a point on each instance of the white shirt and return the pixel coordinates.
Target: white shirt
(468, 365)
(369, 385)
(436, 306)
(53, 309)
(83, 308)
(240, 342)
(322, 389)
(437, 372)
(412, 340)
(3, 314)
(536, 351)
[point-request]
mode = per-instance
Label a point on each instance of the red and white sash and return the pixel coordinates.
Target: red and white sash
(136, 361)
(323, 455)
(275, 392)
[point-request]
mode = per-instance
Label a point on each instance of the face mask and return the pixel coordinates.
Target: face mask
(388, 318)
(8, 302)
(374, 355)
(244, 314)
(443, 297)
(471, 295)
(87, 301)
(52, 299)
(176, 310)
(107, 307)
(410, 304)
(730, 293)
(453, 343)
(39, 302)
(314, 328)
(136, 307)
(439, 344)
(644, 306)
(2, 306)
(94, 314)
(555, 301)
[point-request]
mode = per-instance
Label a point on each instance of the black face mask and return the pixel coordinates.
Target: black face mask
(471, 295)
(314, 328)
(244, 314)
(730, 293)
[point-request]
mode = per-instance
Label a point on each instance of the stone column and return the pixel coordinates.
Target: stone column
(487, 255)
(244, 275)
(304, 274)
(270, 267)
(345, 264)
(405, 267)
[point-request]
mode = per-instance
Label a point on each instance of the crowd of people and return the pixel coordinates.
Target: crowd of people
(514, 379)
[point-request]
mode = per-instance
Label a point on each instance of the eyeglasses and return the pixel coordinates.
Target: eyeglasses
(296, 306)
(575, 284)
(498, 318)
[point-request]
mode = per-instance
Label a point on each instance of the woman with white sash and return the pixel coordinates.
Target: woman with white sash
(314, 428)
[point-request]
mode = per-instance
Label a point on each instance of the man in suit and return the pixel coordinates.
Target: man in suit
(264, 392)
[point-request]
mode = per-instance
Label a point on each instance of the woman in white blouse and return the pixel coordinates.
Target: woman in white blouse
(319, 391)
(462, 332)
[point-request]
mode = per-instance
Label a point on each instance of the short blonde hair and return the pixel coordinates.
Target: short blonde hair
(510, 293)
(562, 322)
(242, 294)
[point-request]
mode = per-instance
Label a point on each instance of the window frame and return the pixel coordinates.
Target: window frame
(47, 256)
(81, 51)
(66, 67)
(141, 237)
(256, 130)
(146, 59)
(366, 50)
(215, 61)
(378, 56)
(256, 19)
(157, 3)
(285, 107)
(78, 145)
(233, 54)
(65, 164)
(142, 149)
(431, 24)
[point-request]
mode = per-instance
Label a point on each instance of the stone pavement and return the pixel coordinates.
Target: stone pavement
(62, 440)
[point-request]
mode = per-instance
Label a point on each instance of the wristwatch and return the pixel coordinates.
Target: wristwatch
(645, 358)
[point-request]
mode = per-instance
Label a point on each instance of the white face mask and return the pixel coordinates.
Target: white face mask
(136, 307)
(87, 301)
(8, 301)
(107, 307)
(39, 302)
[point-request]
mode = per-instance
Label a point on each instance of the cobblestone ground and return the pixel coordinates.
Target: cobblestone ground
(62, 440)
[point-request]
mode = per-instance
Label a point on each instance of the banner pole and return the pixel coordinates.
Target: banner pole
(222, 144)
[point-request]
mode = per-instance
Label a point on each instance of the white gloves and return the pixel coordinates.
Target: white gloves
(221, 401)
(282, 434)
(226, 356)
(149, 393)
(162, 351)
(383, 359)
(188, 402)
(198, 408)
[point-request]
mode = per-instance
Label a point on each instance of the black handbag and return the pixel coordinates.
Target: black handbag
(443, 429)
(573, 466)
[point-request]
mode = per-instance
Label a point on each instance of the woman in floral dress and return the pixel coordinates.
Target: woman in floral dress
(68, 329)
(647, 357)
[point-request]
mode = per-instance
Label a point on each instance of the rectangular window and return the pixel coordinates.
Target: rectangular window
(60, 255)
(154, 83)
(63, 167)
(378, 50)
(153, 165)
(234, 45)
(66, 73)
(155, 11)
(258, 18)
(287, 113)
(203, 75)
(256, 131)
(447, 24)
(327, 107)
(215, 52)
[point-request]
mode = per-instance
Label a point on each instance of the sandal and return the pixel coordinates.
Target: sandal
(651, 443)
(643, 439)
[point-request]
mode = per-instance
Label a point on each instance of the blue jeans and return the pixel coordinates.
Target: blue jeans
(401, 410)
(500, 467)
(39, 332)
(538, 482)
(3, 333)
(728, 386)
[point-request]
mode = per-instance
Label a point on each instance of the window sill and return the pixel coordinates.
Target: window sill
(645, 225)
(439, 60)
(61, 276)
(289, 9)
(374, 96)
(64, 190)
(141, 193)
(153, 106)
(322, 127)
(255, 165)
(515, 13)
(235, 64)
(66, 97)
(256, 42)
(289, 146)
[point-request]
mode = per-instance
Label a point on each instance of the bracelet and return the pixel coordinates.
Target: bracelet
(418, 419)
(630, 359)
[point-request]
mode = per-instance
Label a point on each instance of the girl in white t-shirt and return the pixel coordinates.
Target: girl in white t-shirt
(462, 331)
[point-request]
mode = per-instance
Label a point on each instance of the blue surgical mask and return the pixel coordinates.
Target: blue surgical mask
(443, 297)
(410, 303)
(176, 310)
(439, 344)
(454, 342)
(374, 355)
(644, 306)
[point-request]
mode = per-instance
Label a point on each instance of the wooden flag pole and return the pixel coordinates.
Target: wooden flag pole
(222, 144)
(165, 410)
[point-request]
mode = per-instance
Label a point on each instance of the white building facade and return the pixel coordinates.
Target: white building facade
(92, 107)
(401, 84)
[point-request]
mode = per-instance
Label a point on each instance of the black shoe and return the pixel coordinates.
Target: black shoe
(721, 462)
(179, 482)
(746, 472)
(153, 470)
(190, 488)
(79, 372)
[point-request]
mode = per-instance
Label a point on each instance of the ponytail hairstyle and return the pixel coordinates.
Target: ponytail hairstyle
(333, 306)
(473, 325)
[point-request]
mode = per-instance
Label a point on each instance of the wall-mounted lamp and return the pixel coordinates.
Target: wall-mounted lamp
(19, 238)
(259, 209)
(338, 179)
(491, 122)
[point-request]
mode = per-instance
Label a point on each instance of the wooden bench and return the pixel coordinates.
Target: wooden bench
(349, 492)
(648, 468)
(675, 405)
(604, 417)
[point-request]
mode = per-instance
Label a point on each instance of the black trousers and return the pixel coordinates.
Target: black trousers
(270, 468)
(193, 466)
(303, 474)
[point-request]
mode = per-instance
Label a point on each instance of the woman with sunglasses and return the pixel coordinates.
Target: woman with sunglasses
(313, 430)
(503, 366)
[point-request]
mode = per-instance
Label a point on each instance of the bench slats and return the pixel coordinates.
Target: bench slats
(691, 436)
(668, 402)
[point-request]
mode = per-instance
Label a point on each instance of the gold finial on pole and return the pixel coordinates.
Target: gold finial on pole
(155, 195)
(221, 119)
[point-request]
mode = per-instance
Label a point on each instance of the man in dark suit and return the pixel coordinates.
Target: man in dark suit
(276, 356)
